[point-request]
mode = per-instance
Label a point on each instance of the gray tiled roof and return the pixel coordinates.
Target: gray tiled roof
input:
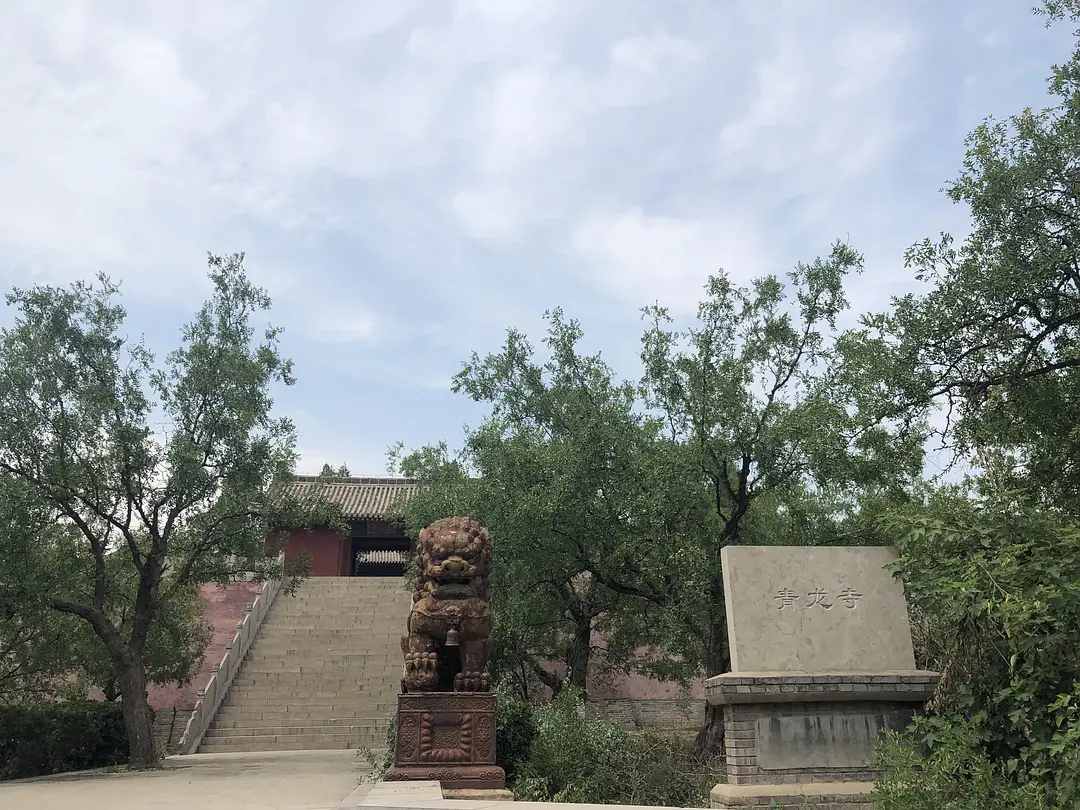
(362, 498)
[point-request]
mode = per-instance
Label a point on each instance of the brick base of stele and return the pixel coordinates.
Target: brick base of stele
(806, 739)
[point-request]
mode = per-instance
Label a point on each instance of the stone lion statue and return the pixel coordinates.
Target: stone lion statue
(450, 621)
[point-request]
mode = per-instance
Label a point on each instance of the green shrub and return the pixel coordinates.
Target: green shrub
(46, 738)
(947, 769)
(1000, 583)
(515, 730)
(579, 757)
(380, 763)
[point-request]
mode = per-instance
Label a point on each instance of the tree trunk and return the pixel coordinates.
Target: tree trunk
(580, 652)
(711, 736)
(138, 719)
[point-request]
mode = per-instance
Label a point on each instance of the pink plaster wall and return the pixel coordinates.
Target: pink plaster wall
(633, 687)
(222, 609)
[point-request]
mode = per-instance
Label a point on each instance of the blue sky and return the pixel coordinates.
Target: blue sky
(409, 178)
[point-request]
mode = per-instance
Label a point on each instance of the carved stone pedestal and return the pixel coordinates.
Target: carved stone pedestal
(448, 736)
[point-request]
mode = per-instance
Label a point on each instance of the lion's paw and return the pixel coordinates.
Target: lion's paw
(472, 682)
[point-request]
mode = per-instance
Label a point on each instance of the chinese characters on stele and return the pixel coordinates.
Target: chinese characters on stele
(819, 597)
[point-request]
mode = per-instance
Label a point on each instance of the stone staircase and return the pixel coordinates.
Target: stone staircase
(324, 671)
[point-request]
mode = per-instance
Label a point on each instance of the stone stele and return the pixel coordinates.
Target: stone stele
(807, 609)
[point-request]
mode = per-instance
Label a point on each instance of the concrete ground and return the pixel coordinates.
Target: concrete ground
(278, 780)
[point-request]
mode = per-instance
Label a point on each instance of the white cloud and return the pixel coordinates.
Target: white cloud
(649, 54)
(515, 12)
(642, 259)
(820, 106)
(491, 214)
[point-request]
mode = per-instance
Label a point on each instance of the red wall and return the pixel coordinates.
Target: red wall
(631, 687)
(329, 552)
(222, 609)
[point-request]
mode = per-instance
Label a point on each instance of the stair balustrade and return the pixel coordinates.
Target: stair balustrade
(211, 695)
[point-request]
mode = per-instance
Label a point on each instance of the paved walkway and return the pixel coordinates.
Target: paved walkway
(278, 780)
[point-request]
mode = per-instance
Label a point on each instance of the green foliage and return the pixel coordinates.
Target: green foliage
(1001, 583)
(45, 738)
(955, 774)
(380, 762)
(577, 756)
(515, 730)
(568, 476)
(175, 648)
(996, 338)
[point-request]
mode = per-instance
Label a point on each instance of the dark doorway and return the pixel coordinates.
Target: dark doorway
(379, 556)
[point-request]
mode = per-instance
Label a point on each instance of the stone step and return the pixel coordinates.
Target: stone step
(323, 672)
(327, 705)
(298, 713)
(361, 648)
(315, 594)
(370, 618)
(286, 720)
(332, 644)
(315, 584)
(346, 595)
(375, 695)
(294, 657)
(334, 612)
(375, 698)
(357, 674)
(307, 663)
(358, 669)
(361, 695)
(304, 653)
(352, 688)
(300, 694)
(288, 631)
(347, 592)
(388, 600)
(289, 742)
(352, 729)
(354, 624)
(372, 705)
(307, 658)
(342, 606)
(378, 599)
(337, 638)
(333, 615)
(298, 656)
(342, 657)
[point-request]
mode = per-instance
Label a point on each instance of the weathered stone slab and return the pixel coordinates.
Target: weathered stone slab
(827, 740)
(909, 686)
(823, 609)
(818, 796)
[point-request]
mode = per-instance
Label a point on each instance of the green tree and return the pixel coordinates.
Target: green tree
(565, 469)
(139, 518)
(996, 338)
(991, 567)
(777, 407)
